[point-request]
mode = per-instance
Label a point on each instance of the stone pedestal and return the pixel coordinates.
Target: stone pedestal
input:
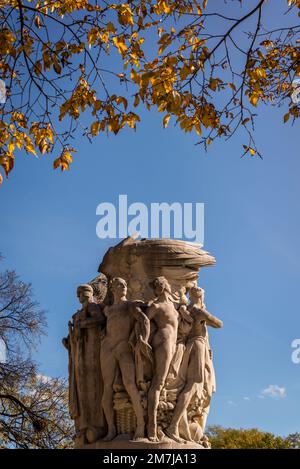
(126, 442)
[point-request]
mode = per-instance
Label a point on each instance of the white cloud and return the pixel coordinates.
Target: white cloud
(274, 391)
(231, 403)
(246, 398)
(43, 378)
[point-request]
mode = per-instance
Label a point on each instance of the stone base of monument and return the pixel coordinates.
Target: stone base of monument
(126, 442)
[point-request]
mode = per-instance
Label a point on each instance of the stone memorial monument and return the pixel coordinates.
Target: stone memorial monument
(140, 365)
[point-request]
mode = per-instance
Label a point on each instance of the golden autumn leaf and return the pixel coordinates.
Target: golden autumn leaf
(93, 35)
(249, 150)
(57, 67)
(260, 72)
(38, 67)
(97, 105)
(121, 99)
(110, 27)
(120, 44)
(95, 128)
(131, 119)
(253, 98)
(213, 83)
(198, 128)
(64, 160)
(136, 100)
(11, 147)
(125, 15)
(244, 121)
(37, 22)
(185, 71)
(30, 148)
(166, 120)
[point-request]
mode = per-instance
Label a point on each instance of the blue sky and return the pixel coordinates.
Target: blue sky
(252, 227)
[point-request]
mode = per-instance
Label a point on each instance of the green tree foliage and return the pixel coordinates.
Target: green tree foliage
(231, 438)
(293, 440)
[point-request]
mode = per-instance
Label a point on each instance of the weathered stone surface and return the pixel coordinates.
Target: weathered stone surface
(141, 261)
(126, 442)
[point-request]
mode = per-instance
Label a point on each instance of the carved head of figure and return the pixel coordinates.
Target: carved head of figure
(85, 294)
(160, 285)
(197, 295)
(118, 287)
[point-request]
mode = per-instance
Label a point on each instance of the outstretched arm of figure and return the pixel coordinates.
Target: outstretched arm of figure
(210, 319)
(185, 314)
(151, 311)
(144, 305)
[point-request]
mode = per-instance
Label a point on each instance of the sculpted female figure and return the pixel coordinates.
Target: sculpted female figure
(196, 368)
(163, 313)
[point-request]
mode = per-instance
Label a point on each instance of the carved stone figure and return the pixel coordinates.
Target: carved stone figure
(196, 371)
(140, 364)
(117, 353)
(165, 317)
(85, 381)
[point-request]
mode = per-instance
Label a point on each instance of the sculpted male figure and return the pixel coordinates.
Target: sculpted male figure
(117, 352)
(165, 317)
(197, 367)
(85, 381)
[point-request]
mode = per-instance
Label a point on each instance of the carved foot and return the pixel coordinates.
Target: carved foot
(92, 434)
(111, 435)
(152, 433)
(139, 434)
(173, 434)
